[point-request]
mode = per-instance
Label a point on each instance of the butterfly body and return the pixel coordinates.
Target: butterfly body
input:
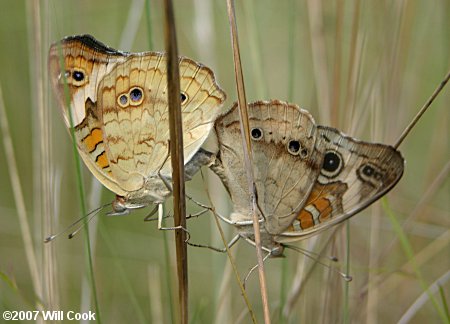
(119, 108)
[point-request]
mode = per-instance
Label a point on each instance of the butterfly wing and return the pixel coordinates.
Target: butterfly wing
(354, 174)
(285, 162)
(77, 64)
(85, 64)
(135, 121)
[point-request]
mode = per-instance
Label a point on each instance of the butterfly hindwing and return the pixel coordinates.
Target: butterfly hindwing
(285, 161)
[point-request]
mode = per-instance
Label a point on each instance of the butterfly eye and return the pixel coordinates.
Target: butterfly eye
(122, 100)
(256, 133)
(332, 164)
(183, 98)
(136, 96)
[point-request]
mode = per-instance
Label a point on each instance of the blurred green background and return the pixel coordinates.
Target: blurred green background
(364, 67)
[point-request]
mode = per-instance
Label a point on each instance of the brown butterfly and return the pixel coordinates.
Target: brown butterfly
(307, 177)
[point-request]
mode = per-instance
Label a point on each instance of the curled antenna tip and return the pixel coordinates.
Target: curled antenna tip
(49, 238)
(71, 235)
(347, 277)
(334, 258)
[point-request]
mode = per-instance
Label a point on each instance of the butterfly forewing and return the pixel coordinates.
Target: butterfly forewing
(135, 115)
(354, 174)
(79, 63)
(119, 106)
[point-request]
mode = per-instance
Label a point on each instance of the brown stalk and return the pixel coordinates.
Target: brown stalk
(352, 73)
(320, 64)
(230, 257)
(19, 200)
(177, 158)
(247, 149)
(336, 86)
(422, 110)
(42, 202)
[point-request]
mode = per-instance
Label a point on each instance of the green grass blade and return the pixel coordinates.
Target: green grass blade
(82, 200)
(409, 252)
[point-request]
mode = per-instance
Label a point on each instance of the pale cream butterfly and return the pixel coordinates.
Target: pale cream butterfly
(119, 106)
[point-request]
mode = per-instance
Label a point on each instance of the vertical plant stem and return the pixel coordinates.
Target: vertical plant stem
(81, 192)
(320, 64)
(168, 275)
(148, 20)
(346, 310)
(336, 94)
(42, 201)
(148, 14)
(291, 50)
(291, 74)
(177, 158)
(248, 158)
(255, 47)
(131, 24)
(230, 257)
(351, 73)
(19, 200)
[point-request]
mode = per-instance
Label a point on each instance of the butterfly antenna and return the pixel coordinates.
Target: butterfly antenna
(91, 214)
(317, 258)
(422, 110)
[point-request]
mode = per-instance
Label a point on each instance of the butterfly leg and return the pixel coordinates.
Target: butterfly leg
(223, 250)
(149, 218)
(171, 228)
(223, 218)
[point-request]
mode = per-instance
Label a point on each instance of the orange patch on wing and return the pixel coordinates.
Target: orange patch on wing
(319, 202)
(102, 160)
(323, 205)
(93, 139)
(306, 219)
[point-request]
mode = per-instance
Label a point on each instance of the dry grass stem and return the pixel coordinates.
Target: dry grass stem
(20, 203)
(43, 211)
(424, 298)
(247, 149)
(137, 8)
(303, 274)
(177, 157)
(155, 294)
(230, 257)
(422, 110)
(320, 65)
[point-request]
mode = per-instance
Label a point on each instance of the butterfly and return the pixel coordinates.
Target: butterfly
(118, 104)
(307, 177)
